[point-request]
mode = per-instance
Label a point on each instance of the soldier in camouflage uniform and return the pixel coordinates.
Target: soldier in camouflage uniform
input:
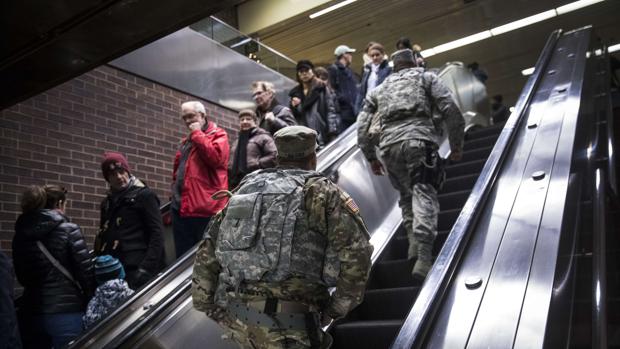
(285, 237)
(397, 116)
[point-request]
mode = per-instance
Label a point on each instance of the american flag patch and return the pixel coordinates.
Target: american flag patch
(352, 206)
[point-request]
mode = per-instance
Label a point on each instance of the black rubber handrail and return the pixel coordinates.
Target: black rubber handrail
(413, 331)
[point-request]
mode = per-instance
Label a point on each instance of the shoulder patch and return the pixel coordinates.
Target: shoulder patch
(352, 206)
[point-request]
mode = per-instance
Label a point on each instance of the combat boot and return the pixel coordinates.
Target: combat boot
(424, 262)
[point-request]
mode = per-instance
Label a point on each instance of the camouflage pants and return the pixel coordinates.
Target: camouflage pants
(258, 337)
(418, 201)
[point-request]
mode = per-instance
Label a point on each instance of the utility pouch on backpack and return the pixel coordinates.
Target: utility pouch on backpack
(239, 227)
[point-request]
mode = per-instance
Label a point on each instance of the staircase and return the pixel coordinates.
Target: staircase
(391, 291)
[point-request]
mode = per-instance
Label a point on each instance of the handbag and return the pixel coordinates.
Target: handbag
(58, 266)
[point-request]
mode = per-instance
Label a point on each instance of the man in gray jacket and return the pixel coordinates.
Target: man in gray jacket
(397, 117)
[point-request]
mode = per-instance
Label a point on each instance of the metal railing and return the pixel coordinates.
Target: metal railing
(243, 44)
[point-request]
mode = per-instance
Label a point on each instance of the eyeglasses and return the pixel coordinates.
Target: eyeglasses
(304, 71)
(257, 93)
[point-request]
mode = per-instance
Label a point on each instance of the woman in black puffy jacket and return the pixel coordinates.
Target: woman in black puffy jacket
(54, 303)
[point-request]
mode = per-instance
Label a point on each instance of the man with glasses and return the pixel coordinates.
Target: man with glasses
(271, 115)
(200, 170)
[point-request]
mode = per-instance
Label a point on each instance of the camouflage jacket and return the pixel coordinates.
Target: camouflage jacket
(401, 108)
(330, 211)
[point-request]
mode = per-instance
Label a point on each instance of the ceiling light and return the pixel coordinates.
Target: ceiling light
(528, 71)
(575, 6)
(427, 53)
(331, 8)
(613, 48)
(462, 42)
(523, 22)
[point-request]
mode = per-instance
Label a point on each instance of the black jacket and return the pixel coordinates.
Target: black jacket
(344, 83)
(131, 229)
(317, 111)
(9, 334)
(46, 289)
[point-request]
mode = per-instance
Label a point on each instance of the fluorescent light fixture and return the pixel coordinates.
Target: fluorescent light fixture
(528, 71)
(462, 42)
(613, 48)
(523, 22)
(428, 53)
(331, 8)
(575, 6)
(498, 30)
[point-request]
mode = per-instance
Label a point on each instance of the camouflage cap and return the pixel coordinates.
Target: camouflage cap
(404, 55)
(295, 142)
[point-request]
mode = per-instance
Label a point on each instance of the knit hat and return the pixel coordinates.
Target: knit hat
(112, 161)
(247, 112)
(404, 55)
(305, 64)
(295, 142)
(108, 268)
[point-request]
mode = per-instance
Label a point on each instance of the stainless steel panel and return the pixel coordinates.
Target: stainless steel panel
(190, 62)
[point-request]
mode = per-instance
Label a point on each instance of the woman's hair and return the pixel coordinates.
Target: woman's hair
(377, 46)
(321, 73)
(368, 45)
(37, 197)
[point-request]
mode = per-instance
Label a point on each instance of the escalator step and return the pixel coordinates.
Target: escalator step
(494, 130)
(447, 219)
(458, 183)
(365, 334)
(483, 142)
(385, 304)
(397, 248)
(449, 201)
(476, 154)
(465, 168)
(392, 274)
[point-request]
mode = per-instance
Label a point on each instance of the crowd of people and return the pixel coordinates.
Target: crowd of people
(262, 187)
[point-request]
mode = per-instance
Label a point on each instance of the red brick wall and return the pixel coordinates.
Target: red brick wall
(59, 137)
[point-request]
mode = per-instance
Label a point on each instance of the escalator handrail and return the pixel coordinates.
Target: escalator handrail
(413, 330)
(601, 162)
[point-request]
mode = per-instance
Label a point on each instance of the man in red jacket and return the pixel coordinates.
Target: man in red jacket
(200, 169)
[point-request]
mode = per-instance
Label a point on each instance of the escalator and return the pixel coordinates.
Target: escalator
(391, 289)
(525, 265)
(162, 311)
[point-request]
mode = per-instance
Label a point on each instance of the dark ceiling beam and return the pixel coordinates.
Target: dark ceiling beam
(42, 49)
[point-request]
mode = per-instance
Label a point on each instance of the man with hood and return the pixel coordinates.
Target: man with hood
(131, 227)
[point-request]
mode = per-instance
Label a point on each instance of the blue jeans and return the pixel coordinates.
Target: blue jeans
(61, 328)
(187, 231)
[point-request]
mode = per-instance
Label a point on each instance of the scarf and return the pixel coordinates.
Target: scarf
(240, 163)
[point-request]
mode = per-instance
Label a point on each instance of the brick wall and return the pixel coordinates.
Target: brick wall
(59, 137)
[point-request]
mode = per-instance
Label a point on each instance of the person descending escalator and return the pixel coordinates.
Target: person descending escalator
(313, 104)
(397, 117)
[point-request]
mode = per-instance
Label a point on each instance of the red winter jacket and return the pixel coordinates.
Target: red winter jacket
(205, 172)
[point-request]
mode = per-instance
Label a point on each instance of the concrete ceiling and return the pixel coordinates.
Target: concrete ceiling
(433, 22)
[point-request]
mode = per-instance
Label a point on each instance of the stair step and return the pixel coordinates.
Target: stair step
(447, 219)
(458, 183)
(385, 304)
(392, 274)
(398, 247)
(457, 199)
(483, 142)
(465, 168)
(494, 130)
(365, 334)
(476, 154)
